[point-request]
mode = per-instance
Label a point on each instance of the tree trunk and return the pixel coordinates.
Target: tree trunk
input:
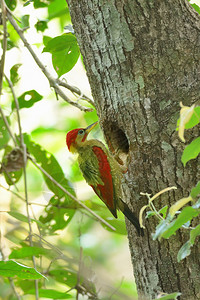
(142, 59)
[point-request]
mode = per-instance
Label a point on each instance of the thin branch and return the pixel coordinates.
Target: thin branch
(23, 147)
(14, 289)
(79, 272)
(54, 82)
(56, 249)
(75, 90)
(80, 265)
(8, 126)
(69, 194)
(2, 62)
(3, 8)
(116, 289)
(17, 109)
(14, 193)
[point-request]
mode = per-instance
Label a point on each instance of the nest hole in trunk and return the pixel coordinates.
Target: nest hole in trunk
(117, 141)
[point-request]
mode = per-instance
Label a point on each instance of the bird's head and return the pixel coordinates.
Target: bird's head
(76, 137)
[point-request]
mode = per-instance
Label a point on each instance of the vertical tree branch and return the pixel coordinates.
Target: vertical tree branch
(23, 147)
(7, 126)
(2, 62)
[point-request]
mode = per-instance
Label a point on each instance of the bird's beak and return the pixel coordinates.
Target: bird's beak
(90, 127)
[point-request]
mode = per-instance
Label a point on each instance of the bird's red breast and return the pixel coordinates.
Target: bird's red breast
(105, 191)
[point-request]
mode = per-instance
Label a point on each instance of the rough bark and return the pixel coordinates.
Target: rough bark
(142, 58)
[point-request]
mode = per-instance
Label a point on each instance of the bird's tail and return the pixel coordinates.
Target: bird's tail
(131, 216)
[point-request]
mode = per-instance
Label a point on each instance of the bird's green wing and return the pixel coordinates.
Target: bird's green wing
(90, 170)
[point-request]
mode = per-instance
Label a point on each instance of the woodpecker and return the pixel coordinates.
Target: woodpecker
(101, 171)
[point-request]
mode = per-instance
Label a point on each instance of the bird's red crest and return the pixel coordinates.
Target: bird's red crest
(71, 137)
(77, 136)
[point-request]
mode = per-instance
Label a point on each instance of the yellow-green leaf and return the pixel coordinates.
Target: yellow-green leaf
(191, 151)
(179, 204)
(186, 113)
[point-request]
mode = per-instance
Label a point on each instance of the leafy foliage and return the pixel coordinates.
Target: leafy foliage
(41, 25)
(28, 99)
(65, 52)
(51, 294)
(176, 219)
(4, 135)
(12, 268)
(14, 76)
(191, 151)
(186, 248)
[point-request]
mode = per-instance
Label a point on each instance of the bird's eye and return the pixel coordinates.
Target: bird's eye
(81, 132)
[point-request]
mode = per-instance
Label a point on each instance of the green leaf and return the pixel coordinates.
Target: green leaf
(195, 191)
(22, 218)
(196, 7)
(11, 4)
(169, 296)
(51, 294)
(149, 214)
(58, 8)
(12, 168)
(194, 120)
(163, 211)
(160, 228)
(13, 177)
(187, 214)
(18, 216)
(50, 165)
(191, 151)
(12, 268)
(46, 39)
(168, 227)
(28, 252)
(10, 44)
(67, 277)
(27, 99)
(65, 52)
(185, 250)
(41, 25)
(4, 135)
(25, 21)
(60, 43)
(41, 3)
(58, 215)
(14, 76)
(25, 284)
(194, 233)
(118, 224)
